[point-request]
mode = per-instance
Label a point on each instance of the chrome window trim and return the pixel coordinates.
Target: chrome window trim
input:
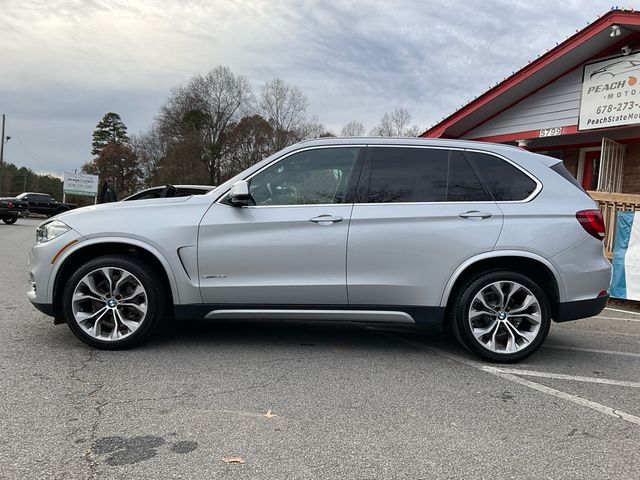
(223, 197)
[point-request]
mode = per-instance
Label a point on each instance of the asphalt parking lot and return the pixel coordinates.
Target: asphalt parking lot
(309, 401)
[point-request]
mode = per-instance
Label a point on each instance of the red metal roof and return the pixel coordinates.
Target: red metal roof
(591, 42)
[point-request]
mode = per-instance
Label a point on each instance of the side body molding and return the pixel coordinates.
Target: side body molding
(498, 254)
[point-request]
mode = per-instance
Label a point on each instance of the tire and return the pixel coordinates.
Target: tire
(117, 317)
(10, 220)
(487, 328)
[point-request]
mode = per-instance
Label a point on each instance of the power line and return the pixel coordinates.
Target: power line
(15, 135)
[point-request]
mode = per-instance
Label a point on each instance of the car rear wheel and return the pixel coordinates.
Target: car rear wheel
(113, 302)
(10, 220)
(501, 315)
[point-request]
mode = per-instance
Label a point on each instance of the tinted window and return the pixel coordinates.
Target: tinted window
(463, 185)
(561, 170)
(185, 192)
(153, 193)
(504, 181)
(408, 175)
(305, 178)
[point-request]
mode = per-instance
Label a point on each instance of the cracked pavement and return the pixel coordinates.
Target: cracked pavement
(350, 402)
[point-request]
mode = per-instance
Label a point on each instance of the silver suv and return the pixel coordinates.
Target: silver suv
(488, 240)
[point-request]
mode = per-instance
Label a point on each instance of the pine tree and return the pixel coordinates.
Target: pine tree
(111, 129)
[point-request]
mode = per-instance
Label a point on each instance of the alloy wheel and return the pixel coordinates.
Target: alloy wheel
(109, 303)
(505, 317)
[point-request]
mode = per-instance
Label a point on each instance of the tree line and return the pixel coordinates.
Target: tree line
(211, 128)
(14, 180)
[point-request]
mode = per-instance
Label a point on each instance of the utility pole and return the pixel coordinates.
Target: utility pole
(2, 143)
(1, 152)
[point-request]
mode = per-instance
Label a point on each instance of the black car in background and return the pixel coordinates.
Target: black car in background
(44, 204)
(11, 209)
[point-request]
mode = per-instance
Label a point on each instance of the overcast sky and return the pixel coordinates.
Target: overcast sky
(65, 63)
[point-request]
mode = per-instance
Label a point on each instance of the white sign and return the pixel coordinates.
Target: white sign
(551, 132)
(80, 184)
(610, 93)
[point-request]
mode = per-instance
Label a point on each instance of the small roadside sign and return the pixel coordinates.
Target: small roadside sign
(80, 184)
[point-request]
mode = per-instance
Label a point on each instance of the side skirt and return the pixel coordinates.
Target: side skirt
(392, 314)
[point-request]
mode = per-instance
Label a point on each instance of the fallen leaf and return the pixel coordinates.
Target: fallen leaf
(269, 414)
(232, 459)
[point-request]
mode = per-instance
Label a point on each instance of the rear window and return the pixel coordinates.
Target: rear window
(561, 170)
(505, 182)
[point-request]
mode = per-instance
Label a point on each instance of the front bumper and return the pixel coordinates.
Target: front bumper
(567, 311)
(43, 263)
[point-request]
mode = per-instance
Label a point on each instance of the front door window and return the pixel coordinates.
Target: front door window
(310, 177)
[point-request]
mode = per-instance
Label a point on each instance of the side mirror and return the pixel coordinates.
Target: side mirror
(239, 194)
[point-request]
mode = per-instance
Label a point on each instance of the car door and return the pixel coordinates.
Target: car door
(419, 213)
(289, 246)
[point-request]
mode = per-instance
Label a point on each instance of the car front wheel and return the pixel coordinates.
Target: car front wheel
(113, 302)
(10, 220)
(501, 315)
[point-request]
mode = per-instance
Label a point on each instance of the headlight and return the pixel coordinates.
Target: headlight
(51, 230)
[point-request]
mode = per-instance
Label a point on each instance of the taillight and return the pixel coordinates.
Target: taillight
(10, 205)
(592, 222)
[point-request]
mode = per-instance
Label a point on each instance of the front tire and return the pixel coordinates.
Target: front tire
(10, 220)
(502, 316)
(113, 302)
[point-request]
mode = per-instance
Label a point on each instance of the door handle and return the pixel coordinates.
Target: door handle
(326, 219)
(475, 214)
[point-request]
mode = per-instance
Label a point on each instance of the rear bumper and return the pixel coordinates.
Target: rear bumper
(567, 311)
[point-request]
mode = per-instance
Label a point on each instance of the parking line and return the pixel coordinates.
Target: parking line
(621, 311)
(592, 350)
(612, 412)
(561, 376)
(620, 319)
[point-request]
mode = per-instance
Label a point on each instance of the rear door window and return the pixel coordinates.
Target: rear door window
(408, 175)
(505, 182)
(463, 184)
(403, 174)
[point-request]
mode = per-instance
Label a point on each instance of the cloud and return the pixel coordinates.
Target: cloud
(67, 62)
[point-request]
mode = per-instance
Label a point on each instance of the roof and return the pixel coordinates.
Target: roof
(591, 42)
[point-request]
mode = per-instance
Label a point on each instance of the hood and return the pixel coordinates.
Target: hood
(131, 219)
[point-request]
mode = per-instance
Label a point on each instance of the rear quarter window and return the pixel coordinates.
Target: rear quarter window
(561, 170)
(505, 182)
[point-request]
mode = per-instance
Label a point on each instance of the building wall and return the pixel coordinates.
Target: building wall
(556, 105)
(631, 179)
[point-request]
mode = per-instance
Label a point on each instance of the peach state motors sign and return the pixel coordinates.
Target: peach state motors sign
(610, 93)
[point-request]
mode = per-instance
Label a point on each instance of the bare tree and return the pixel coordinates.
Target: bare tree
(395, 124)
(352, 129)
(249, 142)
(285, 108)
(198, 114)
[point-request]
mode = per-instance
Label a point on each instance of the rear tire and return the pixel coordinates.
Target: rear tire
(10, 220)
(113, 302)
(500, 315)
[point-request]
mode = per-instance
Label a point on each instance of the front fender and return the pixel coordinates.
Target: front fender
(114, 239)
